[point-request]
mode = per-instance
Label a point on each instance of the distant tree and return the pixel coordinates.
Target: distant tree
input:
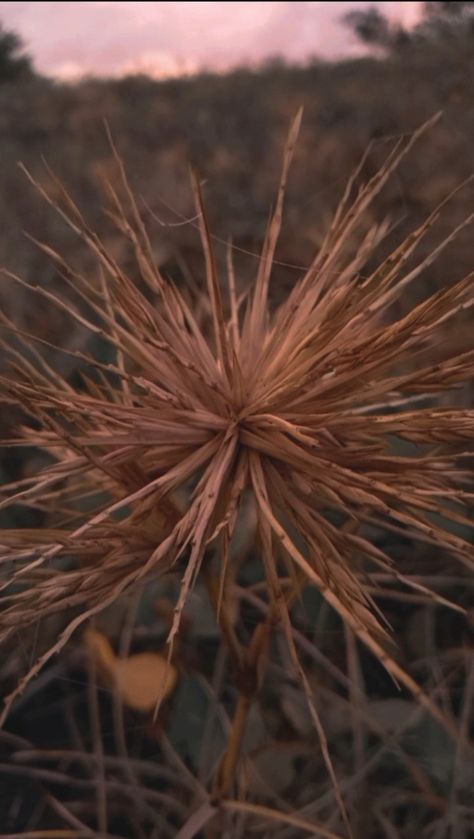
(374, 29)
(441, 22)
(15, 64)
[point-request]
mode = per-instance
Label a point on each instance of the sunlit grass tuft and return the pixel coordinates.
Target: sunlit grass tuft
(296, 408)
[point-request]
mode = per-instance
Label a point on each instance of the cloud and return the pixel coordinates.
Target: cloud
(68, 39)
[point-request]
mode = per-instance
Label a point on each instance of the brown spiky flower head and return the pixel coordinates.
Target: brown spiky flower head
(293, 409)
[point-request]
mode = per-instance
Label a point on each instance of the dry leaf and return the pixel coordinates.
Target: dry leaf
(142, 680)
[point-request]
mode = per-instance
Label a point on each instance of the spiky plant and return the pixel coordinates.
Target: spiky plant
(296, 409)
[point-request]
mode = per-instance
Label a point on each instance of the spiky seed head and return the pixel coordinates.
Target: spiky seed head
(297, 407)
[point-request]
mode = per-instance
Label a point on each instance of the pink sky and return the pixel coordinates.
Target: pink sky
(112, 38)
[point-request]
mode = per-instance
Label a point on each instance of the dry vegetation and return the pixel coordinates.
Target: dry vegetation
(268, 493)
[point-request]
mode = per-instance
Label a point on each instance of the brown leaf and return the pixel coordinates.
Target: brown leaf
(142, 680)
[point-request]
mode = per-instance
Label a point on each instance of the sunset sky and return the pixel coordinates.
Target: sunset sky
(111, 38)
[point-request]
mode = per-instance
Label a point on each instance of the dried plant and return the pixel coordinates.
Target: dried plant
(294, 409)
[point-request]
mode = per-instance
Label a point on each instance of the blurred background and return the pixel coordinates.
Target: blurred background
(216, 85)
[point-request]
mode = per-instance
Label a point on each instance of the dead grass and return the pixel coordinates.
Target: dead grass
(296, 409)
